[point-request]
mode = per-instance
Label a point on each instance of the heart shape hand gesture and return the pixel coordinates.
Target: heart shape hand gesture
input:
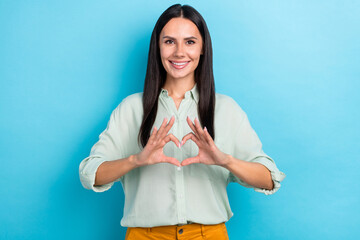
(209, 153)
(153, 151)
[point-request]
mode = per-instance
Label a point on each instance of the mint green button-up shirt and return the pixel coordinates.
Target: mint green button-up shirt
(164, 194)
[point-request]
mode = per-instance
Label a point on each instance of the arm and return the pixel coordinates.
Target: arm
(255, 170)
(109, 148)
(254, 174)
(110, 171)
(99, 171)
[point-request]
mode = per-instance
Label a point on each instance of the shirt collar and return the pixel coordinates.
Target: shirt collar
(193, 93)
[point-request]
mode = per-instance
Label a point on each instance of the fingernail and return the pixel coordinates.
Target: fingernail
(179, 145)
(205, 129)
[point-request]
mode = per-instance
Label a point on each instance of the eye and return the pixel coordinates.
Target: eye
(190, 42)
(169, 41)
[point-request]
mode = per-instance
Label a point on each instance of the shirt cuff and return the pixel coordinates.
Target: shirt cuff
(88, 172)
(276, 175)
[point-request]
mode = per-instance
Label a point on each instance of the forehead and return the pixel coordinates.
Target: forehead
(180, 27)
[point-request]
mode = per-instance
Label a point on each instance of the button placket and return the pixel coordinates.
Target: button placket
(180, 175)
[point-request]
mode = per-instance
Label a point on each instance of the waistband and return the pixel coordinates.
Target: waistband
(175, 229)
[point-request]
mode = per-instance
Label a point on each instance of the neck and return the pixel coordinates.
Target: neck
(178, 87)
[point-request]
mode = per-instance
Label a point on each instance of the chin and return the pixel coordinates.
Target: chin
(178, 75)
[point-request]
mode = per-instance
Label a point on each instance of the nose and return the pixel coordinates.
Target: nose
(179, 52)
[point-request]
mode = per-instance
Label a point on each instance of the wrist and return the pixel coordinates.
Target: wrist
(133, 160)
(228, 161)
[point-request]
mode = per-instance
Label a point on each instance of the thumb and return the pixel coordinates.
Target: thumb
(172, 161)
(191, 160)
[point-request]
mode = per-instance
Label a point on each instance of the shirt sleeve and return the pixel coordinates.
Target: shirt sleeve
(249, 148)
(109, 147)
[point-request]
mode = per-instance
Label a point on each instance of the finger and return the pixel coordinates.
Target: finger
(208, 136)
(152, 136)
(171, 137)
(191, 160)
(199, 129)
(172, 161)
(161, 129)
(191, 124)
(191, 136)
(168, 126)
(153, 133)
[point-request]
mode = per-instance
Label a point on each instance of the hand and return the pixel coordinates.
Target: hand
(208, 152)
(153, 151)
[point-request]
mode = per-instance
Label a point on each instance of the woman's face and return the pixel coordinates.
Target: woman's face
(180, 48)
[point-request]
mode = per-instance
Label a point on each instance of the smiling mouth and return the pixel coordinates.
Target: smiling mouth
(179, 65)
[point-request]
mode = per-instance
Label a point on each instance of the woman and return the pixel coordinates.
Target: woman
(177, 189)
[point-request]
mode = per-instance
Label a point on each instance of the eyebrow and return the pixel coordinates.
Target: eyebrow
(191, 37)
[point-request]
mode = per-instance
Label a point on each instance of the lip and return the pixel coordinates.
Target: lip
(179, 66)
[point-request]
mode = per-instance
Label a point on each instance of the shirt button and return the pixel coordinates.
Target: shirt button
(180, 195)
(181, 231)
(179, 168)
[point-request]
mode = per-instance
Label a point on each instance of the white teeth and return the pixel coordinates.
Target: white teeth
(179, 64)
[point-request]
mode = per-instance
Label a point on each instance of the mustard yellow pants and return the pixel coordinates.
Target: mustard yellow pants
(192, 231)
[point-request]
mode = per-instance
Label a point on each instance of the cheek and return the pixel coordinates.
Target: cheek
(163, 57)
(165, 53)
(195, 53)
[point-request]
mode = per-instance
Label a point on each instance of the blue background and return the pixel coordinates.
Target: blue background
(293, 66)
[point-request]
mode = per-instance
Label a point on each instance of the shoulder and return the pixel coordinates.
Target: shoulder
(222, 98)
(134, 98)
(227, 110)
(227, 102)
(131, 103)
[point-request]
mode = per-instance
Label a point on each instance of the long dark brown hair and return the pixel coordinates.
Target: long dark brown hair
(156, 74)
